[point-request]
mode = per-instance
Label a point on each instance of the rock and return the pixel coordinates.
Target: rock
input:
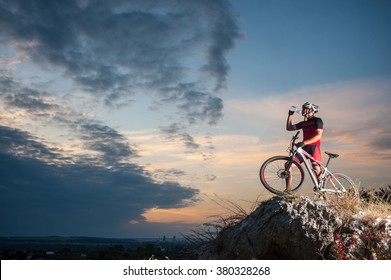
(293, 227)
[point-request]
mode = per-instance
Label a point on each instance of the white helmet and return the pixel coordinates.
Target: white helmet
(313, 107)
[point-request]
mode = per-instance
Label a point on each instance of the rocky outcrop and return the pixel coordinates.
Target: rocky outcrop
(293, 227)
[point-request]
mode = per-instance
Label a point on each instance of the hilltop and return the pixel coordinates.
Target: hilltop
(297, 227)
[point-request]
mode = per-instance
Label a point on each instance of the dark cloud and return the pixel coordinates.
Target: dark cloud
(28, 100)
(381, 138)
(378, 127)
(210, 177)
(17, 95)
(383, 142)
(194, 104)
(41, 197)
(112, 146)
(168, 174)
(177, 132)
(22, 144)
(224, 32)
(43, 191)
(113, 48)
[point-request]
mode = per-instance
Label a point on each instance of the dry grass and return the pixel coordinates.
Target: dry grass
(377, 209)
(377, 201)
(207, 232)
(372, 211)
(236, 213)
(373, 203)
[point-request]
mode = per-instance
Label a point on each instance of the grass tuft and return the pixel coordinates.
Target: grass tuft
(208, 232)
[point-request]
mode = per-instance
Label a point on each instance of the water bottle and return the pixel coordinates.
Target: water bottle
(295, 110)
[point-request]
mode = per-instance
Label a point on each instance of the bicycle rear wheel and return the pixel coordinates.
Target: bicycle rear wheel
(273, 174)
(339, 186)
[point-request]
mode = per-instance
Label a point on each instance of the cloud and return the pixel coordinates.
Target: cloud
(47, 189)
(17, 94)
(40, 195)
(108, 142)
(114, 49)
(68, 172)
(176, 131)
(101, 138)
(22, 144)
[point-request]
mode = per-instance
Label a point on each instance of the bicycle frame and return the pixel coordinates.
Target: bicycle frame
(307, 158)
(318, 185)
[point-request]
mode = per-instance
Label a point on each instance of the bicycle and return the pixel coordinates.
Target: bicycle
(274, 174)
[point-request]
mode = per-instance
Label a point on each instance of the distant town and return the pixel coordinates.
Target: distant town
(93, 248)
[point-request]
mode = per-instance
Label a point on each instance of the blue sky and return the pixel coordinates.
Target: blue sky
(128, 118)
(290, 44)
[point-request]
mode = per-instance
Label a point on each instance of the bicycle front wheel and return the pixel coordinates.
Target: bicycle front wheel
(274, 174)
(339, 186)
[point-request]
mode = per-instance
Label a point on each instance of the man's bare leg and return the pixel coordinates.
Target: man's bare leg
(289, 180)
(318, 171)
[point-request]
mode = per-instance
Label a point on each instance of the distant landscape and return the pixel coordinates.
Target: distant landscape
(93, 248)
(374, 205)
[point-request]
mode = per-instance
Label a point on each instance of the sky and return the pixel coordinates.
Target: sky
(148, 118)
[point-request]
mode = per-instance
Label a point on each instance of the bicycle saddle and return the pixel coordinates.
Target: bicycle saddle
(331, 155)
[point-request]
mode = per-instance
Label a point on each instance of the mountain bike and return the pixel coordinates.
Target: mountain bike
(275, 171)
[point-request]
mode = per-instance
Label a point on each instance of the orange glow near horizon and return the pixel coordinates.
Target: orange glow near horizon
(178, 215)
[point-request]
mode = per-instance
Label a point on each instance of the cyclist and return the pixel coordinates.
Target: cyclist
(312, 133)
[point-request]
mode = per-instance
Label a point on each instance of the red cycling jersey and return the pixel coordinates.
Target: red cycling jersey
(310, 127)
